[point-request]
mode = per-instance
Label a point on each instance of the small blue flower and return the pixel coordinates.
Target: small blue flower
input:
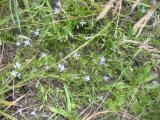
(17, 65)
(57, 8)
(33, 113)
(61, 67)
(102, 60)
(36, 33)
(76, 55)
(27, 42)
(87, 37)
(18, 43)
(106, 78)
(101, 98)
(15, 74)
(43, 55)
(87, 78)
(155, 82)
(82, 23)
(45, 115)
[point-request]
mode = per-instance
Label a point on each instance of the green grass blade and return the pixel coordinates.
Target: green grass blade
(17, 14)
(61, 112)
(7, 115)
(26, 4)
(4, 20)
(49, 6)
(69, 106)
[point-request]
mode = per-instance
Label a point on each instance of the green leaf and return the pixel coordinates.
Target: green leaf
(136, 107)
(60, 111)
(151, 77)
(120, 99)
(111, 104)
(26, 4)
(17, 14)
(69, 105)
(4, 20)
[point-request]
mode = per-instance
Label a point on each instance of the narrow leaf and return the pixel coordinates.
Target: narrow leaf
(69, 106)
(7, 115)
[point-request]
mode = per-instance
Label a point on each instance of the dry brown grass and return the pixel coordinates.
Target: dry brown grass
(106, 9)
(138, 27)
(155, 53)
(96, 114)
(135, 5)
(144, 46)
(117, 7)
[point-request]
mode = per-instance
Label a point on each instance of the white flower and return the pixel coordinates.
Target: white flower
(101, 98)
(33, 113)
(36, 33)
(43, 55)
(27, 42)
(76, 55)
(87, 37)
(155, 82)
(45, 114)
(106, 78)
(17, 65)
(58, 4)
(15, 74)
(18, 43)
(102, 60)
(87, 78)
(57, 10)
(82, 23)
(61, 67)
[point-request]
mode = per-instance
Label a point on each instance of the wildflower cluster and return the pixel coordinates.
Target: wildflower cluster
(15, 72)
(26, 42)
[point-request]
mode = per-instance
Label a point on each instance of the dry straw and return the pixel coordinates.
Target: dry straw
(106, 9)
(138, 27)
(117, 6)
(135, 5)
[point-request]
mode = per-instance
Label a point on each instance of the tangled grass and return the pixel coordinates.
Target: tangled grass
(79, 59)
